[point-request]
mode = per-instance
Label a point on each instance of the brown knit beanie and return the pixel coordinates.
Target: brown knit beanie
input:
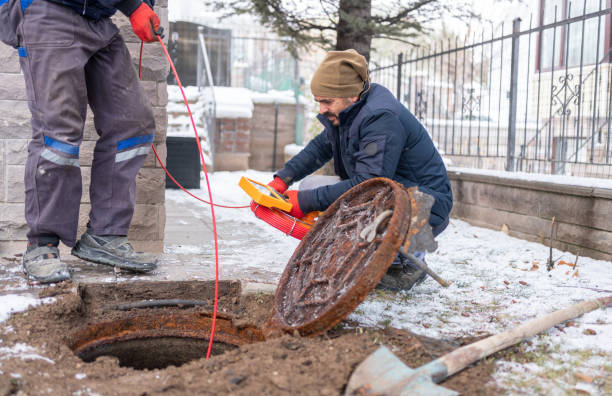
(342, 74)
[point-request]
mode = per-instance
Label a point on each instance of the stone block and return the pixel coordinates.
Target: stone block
(12, 87)
(15, 120)
(9, 60)
(16, 151)
(85, 182)
(86, 152)
(161, 124)
(147, 223)
(89, 130)
(15, 187)
(162, 94)
(150, 89)
(231, 161)
(150, 186)
(13, 226)
(151, 160)
(155, 66)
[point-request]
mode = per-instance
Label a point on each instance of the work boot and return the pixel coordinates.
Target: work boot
(113, 250)
(402, 275)
(42, 264)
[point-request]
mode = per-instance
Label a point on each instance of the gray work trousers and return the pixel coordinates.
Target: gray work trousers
(68, 62)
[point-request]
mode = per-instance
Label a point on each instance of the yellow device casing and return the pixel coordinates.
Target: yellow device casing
(267, 196)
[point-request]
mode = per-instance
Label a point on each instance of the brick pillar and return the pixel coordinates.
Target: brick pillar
(147, 229)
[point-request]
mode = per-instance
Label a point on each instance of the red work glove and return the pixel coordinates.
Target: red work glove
(292, 195)
(145, 23)
(278, 184)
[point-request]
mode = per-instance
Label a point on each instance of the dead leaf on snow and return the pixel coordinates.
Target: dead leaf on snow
(589, 332)
(523, 283)
(506, 282)
(584, 377)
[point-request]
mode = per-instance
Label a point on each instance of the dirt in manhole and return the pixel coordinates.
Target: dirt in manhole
(288, 365)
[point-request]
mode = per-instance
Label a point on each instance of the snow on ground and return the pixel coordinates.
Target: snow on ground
(12, 303)
(272, 249)
(498, 282)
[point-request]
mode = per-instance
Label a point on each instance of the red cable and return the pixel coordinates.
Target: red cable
(280, 220)
(212, 205)
(188, 192)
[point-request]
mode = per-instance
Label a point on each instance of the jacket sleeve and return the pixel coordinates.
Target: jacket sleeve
(316, 153)
(381, 141)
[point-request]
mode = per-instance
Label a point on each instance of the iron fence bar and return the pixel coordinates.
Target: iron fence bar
(433, 93)
(462, 101)
(400, 57)
(564, 109)
(448, 97)
(552, 79)
(480, 94)
(501, 73)
(609, 115)
(412, 80)
(440, 93)
(490, 86)
(471, 97)
(454, 99)
(595, 104)
(580, 122)
(425, 90)
(524, 145)
(516, 25)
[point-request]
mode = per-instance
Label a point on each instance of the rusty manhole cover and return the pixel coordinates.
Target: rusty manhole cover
(333, 269)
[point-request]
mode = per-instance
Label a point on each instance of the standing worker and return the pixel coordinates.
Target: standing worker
(368, 133)
(72, 55)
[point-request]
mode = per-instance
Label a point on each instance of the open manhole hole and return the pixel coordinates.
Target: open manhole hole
(159, 341)
(158, 337)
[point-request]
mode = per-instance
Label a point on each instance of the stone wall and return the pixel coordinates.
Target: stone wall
(582, 214)
(147, 230)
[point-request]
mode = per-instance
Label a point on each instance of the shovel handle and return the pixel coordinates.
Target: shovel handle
(460, 358)
(415, 260)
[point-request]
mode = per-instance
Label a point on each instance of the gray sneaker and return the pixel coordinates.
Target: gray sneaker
(42, 264)
(401, 276)
(113, 250)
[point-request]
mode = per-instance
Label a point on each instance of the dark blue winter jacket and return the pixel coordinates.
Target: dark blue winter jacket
(377, 137)
(96, 9)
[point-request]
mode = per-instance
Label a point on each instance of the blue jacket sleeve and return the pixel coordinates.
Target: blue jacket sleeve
(316, 153)
(380, 143)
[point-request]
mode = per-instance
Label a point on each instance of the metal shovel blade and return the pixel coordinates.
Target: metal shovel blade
(382, 373)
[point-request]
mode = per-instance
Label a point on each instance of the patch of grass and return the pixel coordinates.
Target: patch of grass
(385, 323)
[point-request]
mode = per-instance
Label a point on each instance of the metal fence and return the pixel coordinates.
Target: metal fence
(537, 100)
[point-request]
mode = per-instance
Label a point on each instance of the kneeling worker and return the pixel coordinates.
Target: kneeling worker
(368, 133)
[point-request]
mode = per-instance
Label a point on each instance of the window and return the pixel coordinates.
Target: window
(567, 40)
